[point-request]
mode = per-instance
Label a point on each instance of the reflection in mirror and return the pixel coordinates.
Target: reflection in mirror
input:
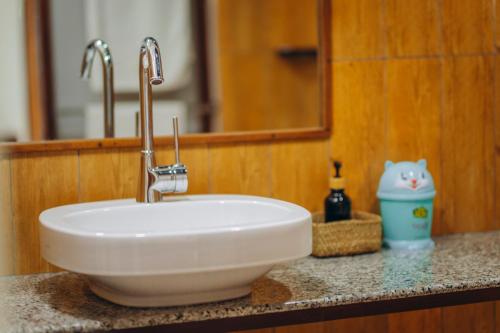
(230, 65)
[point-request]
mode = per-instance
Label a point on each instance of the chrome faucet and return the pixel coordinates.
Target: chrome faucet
(107, 77)
(153, 179)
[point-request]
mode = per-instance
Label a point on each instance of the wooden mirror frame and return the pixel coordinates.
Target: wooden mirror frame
(38, 104)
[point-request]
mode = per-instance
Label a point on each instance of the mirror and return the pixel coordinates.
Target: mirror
(230, 65)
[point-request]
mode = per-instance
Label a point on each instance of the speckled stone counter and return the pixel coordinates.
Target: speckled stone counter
(61, 302)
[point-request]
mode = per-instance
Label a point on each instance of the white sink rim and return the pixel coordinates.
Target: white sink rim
(195, 260)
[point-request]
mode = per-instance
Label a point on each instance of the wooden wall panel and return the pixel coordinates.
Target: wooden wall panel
(242, 169)
(497, 27)
(359, 127)
(358, 30)
(472, 318)
(39, 181)
(6, 228)
(299, 173)
(428, 321)
(108, 174)
(414, 117)
(497, 132)
(374, 324)
(467, 26)
(304, 328)
(468, 145)
(413, 28)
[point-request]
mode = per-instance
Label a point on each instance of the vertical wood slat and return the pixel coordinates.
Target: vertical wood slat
(6, 227)
(242, 169)
(428, 321)
(108, 174)
(375, 324)
(471, 318)
(299, 172)
(39, 181)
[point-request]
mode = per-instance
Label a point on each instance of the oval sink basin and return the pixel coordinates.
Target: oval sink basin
(186, 250)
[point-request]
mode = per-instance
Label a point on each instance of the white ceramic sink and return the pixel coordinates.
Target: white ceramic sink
(189, 249)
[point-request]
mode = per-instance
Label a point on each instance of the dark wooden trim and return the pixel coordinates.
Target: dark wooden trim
(39, 69)
(325, 73)
(322, 132)
(329, 313)
(185, 140)
(204, 105)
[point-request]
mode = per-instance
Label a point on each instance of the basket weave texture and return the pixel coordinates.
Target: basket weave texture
(361, 234)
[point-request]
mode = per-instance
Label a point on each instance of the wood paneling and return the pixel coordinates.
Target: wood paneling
(416, 33)
(304, 328)
(467, 26)
(468, 145)
(243, 169)
(414, 117)
(108, 174)
(428, 321)
(299, 173)
(497, 134)
(497, 28)
(472, 318)
(358, 29)
(359, 128)
(374, 324)
(39, 182)
(440, 107)
(6, 228)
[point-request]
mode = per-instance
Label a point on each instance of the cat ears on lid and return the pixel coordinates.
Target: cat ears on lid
(422, 163)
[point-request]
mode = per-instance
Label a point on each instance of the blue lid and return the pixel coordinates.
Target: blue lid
(406, 181)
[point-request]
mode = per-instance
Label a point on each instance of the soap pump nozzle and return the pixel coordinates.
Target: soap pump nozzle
(337, 165)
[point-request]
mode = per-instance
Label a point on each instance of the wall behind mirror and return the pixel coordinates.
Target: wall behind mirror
(230, 65)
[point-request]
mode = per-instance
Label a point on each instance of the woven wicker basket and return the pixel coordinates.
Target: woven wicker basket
(360, 235)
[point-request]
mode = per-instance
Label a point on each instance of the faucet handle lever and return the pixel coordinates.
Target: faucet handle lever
(175, 124)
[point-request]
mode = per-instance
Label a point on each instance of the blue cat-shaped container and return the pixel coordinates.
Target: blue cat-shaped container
(406, 192)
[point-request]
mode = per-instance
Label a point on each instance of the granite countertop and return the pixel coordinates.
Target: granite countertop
(61, 302)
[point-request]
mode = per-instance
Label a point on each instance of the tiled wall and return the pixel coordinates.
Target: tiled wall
(413, 79)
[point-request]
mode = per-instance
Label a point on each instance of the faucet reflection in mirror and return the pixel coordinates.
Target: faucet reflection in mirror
(107, 77)
(153, 179)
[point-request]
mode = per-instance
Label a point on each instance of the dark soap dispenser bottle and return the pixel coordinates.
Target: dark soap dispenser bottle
(337, 204)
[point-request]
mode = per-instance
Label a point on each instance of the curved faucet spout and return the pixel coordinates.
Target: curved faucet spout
(107, 74)
(151, 60)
